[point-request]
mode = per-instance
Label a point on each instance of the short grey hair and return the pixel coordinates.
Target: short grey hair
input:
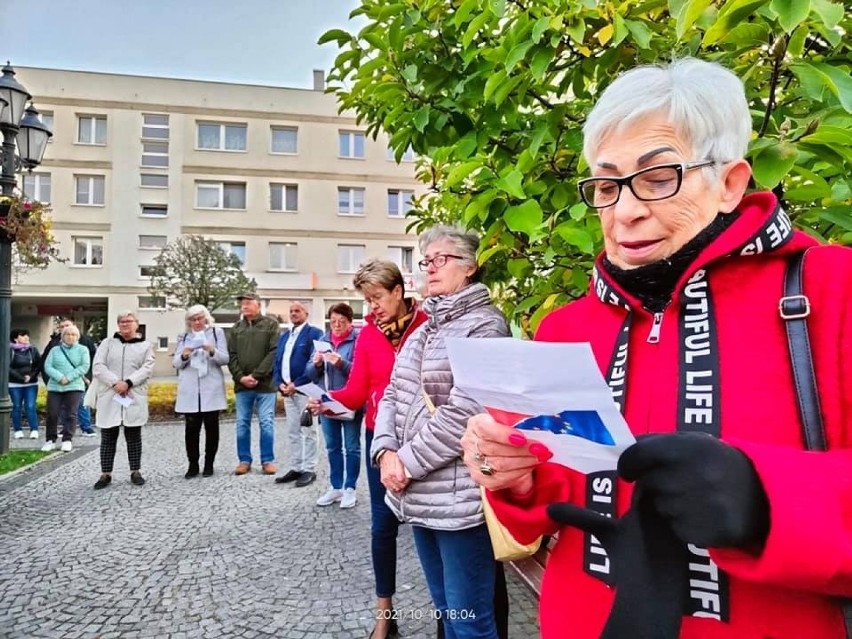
(126, 313)
(704, 101)
(71, 328)
(198, 309)
(465, 244)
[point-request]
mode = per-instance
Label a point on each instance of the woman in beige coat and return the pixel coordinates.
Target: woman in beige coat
(123, 363)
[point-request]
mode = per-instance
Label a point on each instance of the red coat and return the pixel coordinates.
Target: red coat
(786, 592)
(372, 363)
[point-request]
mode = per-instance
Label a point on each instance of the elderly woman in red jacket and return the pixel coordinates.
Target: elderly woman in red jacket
(719, 524)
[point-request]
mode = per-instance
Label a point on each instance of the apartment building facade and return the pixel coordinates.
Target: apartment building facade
(275, 175)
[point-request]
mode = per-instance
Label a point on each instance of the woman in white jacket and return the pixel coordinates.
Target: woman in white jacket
(123, 364)
(199, 356)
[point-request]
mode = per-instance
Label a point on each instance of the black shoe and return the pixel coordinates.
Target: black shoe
(393, 631)
(306, 478)
(192, 472)
(208, 471)
(103, 482)
(136, 478)
(290, 475)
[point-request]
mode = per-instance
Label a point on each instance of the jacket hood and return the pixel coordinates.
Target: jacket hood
(762, 228)
(132, 340)
(444, 308)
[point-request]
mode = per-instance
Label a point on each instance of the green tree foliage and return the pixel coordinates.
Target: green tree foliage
(194, 270)
(493, 95)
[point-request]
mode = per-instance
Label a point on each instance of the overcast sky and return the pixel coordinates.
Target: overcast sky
(247, 41)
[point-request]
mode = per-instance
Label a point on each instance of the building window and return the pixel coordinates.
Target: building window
(220, 195)
(155, 126)
(47, 120)
(408, 156)
(153, 242)
(283, 197)
(88, 251)
(350, 201)
(349, 257)
(90, 190)
(146, 271)
(282, 256)
(155, 154)
(155, 180)
(351, 144)
(221, 137)
(37, 186)
(235, 248)
(91, 129)
(403, 257)
(154, 210)
(399, 202)
(151, 301)
(285, 139)
(162, 343)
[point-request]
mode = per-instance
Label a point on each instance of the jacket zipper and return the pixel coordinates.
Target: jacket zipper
(656, 326)
(407, 420)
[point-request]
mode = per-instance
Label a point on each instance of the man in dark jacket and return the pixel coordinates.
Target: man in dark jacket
(84, 417)
(251, 347)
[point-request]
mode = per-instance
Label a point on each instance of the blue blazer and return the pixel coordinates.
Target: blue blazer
(302, 350)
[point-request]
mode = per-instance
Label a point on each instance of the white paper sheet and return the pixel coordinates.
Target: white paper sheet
(125, 401)
(541, 387)
(321, 346)
(327, 403)
(195, 340)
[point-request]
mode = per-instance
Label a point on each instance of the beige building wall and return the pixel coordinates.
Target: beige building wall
(317, 170)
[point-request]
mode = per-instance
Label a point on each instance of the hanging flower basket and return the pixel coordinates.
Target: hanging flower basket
(26, 224)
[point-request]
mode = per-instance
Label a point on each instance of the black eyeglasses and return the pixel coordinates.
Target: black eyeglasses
(438, 261)
(654, 183)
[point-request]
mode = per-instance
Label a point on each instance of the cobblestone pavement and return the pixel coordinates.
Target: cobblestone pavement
(215, 557)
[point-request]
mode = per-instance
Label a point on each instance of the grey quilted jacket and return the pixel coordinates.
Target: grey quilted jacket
(441, 494)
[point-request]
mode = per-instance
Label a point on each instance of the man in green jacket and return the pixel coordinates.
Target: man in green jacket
(251, 346)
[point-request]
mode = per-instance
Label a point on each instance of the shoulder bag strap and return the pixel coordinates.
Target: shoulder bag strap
(795, 308)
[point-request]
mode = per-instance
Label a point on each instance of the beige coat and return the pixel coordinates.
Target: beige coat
(117, 360)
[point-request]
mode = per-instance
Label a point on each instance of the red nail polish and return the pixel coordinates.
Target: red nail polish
(538, 449)
(516, 439)
(543, 457)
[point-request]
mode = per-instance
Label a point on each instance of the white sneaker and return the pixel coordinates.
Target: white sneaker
(349, 498)
(90, 434)
(48, 446)
(330, 497)
(19, 434)
(33, 434)
(66, 447)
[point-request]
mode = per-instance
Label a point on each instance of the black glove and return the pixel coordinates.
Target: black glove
(708, 491)
(649, 568)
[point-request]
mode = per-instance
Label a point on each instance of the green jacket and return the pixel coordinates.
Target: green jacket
(69, 362)
(251, 347)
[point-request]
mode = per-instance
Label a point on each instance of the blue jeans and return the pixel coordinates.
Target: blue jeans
(246, 402)
(460, 570)
(383, 529)
(24, 396)
(339, 434)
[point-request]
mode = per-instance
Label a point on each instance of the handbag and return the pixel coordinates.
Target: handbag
(504, 545)
(306, 419)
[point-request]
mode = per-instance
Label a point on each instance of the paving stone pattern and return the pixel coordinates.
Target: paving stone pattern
(215, 557)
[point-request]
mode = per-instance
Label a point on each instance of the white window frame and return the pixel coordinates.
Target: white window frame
(397, 255)
(348, 152)
(91, 190)
(142, 177)
(90, 241)
(38, 186)
(284, 188)
(408, 156)
(222, 136)
(162, 343)
(157, 216)
(209, 184)
(400, 196)
(151, 302)
(147, 155)
(277, 127)
(228, 247)
(142, 275)
(150, 127)
(153, 246)
(352, 263)
(351, 211)
(90, 130)
(288, 249)
(48, 120)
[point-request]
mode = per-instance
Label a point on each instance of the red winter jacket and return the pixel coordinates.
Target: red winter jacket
(372, 363)
(788, 591)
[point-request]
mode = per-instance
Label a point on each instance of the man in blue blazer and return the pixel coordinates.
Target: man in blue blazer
(291, 358)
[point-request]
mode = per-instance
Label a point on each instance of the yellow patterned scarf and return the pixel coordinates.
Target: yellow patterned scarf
(396, 329)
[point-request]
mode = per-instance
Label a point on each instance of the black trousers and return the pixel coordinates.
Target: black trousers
(109, 443)
(192, 434)
(64, 405)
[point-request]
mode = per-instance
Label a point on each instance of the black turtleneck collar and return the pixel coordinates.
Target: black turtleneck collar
(653, 284)
(133, 340)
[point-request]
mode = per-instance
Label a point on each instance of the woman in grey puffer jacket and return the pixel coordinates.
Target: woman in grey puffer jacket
(417, 441)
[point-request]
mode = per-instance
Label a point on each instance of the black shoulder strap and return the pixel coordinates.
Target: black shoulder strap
(795, 308)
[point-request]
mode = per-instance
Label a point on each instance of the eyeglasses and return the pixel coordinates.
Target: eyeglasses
(651, 184)
(438, 261)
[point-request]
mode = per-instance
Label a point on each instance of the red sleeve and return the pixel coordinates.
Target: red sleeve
(357, 390)
(527, 519)
(810, 536)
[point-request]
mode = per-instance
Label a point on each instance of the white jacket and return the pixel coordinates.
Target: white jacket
(118, 360)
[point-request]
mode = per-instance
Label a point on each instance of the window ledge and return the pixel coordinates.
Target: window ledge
(216, 208)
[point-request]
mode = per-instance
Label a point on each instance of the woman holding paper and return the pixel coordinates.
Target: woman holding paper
(417, 442)
(732, 519)
(200, 353)
(330, 368)
(123, 364)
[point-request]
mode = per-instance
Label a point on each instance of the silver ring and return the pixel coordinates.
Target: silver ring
(477, 456)
(486, 468)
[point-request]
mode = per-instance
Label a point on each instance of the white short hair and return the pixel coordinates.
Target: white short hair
(126, 313)
(465, 243)
(198, 309)
(703, 100)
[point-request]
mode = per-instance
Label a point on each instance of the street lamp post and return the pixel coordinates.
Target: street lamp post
(22, 131)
